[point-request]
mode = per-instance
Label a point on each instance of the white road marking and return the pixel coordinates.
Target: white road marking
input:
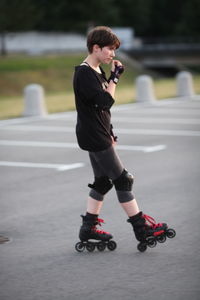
(144, 149)
(58, 167)
(20, 120)
(40, 128)
(162, 110)
(135, 131)
(143, 110)
(133, 119)
(159, 107)
(37, 144)
(182, 121)
(161, 132)
(177, 103)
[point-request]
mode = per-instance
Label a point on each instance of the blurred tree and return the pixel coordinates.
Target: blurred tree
(189, 23)
(149, 18)
(15, 16)
(161, 18)
(135, 14)
(76, 15)
(165, 15)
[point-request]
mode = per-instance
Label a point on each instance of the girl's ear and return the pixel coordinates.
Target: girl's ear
(96, 48)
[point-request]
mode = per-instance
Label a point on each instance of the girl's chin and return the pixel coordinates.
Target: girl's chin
(107, 61)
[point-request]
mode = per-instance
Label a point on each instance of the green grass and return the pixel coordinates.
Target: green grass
(55, 73)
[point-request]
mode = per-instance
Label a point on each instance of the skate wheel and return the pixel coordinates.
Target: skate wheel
(101, 246)
(80, 247)
(142, 247)
(112, 245)
(90, 247)
(151, 242)
(171, 233)
(161, 238)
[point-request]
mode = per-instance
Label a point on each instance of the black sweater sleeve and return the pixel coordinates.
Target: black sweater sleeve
(91, 90)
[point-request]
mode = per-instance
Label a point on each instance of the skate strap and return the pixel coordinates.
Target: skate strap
(99, 222)
(101, 231)
(152, 221)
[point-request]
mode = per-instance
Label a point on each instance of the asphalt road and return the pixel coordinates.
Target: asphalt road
(43, 189)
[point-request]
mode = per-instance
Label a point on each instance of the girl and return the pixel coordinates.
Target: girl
(94, 96)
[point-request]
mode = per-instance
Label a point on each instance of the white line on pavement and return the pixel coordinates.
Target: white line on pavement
(133, 119)
(58, 167)
(158, 132)
(144, 149)
(155, 110)
(159, 107)
(182, 121)
(159, 110)
(40, 128)
(37, 144)
(117, 130)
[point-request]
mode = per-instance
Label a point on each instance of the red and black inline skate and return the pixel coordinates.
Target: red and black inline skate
(88, 231)
(148, 233)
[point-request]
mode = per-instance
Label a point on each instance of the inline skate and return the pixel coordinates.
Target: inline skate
(148, 233)
(88, 231)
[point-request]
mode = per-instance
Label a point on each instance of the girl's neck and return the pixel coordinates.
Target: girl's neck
(93, 63)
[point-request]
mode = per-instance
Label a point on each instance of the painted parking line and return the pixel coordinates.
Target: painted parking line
(43, 128)
(169, 110)
(159, 110)
(58, 167)
(125, 110)
(140, 120)
(136, 131)
(145, 149)
(37, 144)
(182, 121)
(162, 132)
(159, 107)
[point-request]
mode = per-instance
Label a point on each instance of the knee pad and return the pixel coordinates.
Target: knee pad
(101, 185)
(124, 182)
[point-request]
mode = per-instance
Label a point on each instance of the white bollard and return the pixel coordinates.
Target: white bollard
(184, 84)
(145, 89)
(34, 102)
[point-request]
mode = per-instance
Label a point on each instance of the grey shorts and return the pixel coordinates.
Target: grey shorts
(106, 163)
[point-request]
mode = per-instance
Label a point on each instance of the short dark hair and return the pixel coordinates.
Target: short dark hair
(102, 36)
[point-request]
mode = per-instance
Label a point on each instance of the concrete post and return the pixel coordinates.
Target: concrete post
(184, 84)
(34, 102)
(145, 89)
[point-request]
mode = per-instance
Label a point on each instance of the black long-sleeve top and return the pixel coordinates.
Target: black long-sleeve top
(93, 103)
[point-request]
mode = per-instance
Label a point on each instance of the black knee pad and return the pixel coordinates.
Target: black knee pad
(124, 182)
(101, 184)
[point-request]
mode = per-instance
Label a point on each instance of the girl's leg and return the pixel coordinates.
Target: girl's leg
(108, 162)
(101, 185)
(99, 188)
(131, 208)
(94, 206)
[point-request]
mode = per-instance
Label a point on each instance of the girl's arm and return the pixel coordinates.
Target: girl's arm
(111, 88)
(116, 70)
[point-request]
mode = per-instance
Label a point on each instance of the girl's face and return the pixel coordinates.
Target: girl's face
(105, 54)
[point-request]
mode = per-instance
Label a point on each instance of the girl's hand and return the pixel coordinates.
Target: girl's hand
(116, 71)
(115, 63)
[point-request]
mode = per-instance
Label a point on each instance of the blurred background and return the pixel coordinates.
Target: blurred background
(42, 40)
